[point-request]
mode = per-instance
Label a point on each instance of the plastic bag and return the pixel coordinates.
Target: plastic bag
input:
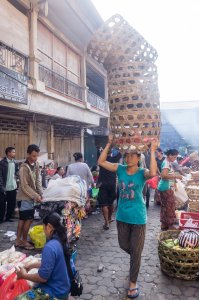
(180, 195)
(20, 287)
(7, 286)
(95, 192)
(37, 236)
(71, 188)
(153, 182)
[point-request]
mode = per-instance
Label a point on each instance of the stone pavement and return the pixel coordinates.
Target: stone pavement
(97, 246)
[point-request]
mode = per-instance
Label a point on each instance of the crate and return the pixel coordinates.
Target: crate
(189, 215)
(189, 224)
(189, 220)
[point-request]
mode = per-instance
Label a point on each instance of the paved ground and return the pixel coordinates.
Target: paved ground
(97, 246)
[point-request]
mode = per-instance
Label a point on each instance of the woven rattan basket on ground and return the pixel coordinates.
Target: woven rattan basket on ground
(182, 263)
(193, 206)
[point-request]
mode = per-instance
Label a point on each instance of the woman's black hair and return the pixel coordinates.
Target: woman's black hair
(59, 229)
(77, 156)
(94, 168)
(171, 152)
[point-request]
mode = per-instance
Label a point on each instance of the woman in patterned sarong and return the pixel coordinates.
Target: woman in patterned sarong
(166, 187)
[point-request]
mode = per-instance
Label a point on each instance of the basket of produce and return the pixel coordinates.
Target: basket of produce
(193, 206)
(179, 253)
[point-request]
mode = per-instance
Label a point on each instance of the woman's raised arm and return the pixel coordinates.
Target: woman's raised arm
(102, 162)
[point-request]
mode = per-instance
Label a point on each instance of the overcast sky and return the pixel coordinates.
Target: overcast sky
(172, 27)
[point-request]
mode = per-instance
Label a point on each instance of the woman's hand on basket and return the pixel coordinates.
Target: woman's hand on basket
(154, 144)
(110, 139)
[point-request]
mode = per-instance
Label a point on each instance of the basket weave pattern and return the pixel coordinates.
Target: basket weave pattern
(181, 263)
(193, 193)
(132, 81)
(193, 206)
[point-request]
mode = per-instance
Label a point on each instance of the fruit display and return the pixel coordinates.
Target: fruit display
(189, 238)
(186, 239)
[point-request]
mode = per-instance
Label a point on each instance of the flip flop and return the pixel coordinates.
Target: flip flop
(134, 295)
(19, 246)
(112, 220)
(29, 247)
(105, 227)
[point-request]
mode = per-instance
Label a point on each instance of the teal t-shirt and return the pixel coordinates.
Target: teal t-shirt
(166, 184)
(131, 206)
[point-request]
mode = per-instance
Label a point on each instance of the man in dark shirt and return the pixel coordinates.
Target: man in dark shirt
(107, 188)
(159, 159)
(8, 185)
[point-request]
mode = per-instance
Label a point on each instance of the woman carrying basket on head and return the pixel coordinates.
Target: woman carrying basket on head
(131, 213)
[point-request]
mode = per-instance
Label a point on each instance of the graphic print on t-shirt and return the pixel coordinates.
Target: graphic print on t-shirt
(127, 191)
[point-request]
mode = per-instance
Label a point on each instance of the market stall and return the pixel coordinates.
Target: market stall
(67, 197)
(10, 259)
(179, 249)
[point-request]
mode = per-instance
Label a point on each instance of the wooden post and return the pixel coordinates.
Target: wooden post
(33, 42)
(30, 133)
(51, 144)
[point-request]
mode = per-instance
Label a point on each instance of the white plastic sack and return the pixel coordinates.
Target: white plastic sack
(180, 195)
(71, 188)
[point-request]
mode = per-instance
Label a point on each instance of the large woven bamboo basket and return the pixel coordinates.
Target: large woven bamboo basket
(181, 263)
(132, 82)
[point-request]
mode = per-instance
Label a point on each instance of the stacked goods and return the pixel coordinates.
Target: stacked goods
(8, 260)
(179, 253)
(192, 192)
(194, 159)
(195, 175)
(132, 82)
(193, 206)
(10, 286)
(67, 197)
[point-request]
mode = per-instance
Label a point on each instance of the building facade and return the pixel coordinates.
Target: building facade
(50, 90)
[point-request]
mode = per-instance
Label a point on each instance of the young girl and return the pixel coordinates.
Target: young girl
(52, 276)
(131, 213)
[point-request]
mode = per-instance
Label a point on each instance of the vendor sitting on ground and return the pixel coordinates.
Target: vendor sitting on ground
(52, 276)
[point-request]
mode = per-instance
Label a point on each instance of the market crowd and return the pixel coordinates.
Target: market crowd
(125, 178)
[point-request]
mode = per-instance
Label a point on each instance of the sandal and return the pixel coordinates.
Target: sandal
(134, 295)
(28, 246)
(105, 227)
(112, 220)
(20, 245)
